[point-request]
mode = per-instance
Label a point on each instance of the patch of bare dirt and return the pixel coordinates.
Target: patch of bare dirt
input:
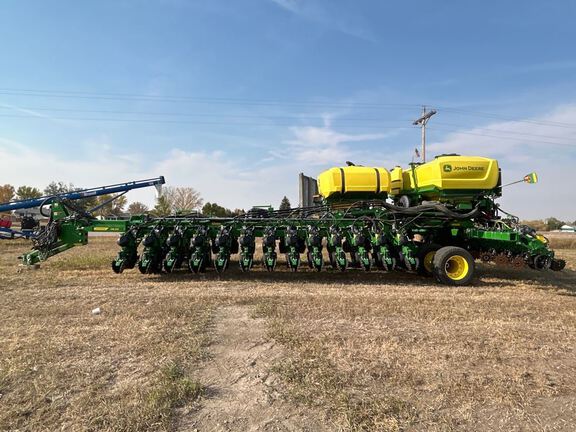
(241, 392)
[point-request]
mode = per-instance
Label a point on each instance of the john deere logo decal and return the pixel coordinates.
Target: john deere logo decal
(449, 168)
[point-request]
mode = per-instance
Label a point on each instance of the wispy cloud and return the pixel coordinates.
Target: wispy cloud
(316, 12)
(293, 6)
(26, 111)
(323, 145)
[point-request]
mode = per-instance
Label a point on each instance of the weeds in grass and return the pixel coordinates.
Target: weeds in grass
(313, 379)
(151, 408)
(430, 357)
(130, 368)
(374, 353)
(81, 261)
(177, 387)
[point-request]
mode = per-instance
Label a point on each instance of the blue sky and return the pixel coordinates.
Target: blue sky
(236, 98)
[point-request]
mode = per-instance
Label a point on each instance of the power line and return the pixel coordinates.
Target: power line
(181, 114)
(220, 123)
(457, 132)
(259, 102)
(509, 119)
(501, 131)
(348, 122)
(195, 99)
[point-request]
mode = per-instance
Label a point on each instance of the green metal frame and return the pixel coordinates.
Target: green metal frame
(362, 235)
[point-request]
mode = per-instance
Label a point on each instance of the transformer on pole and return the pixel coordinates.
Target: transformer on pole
(422, 121)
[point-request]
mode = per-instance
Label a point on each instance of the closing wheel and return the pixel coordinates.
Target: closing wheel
(167, 266)
(541, 262)
(453, 266)
(426, 257)
(332, 257)
(118, 268)
(557, 264)
(309, 259)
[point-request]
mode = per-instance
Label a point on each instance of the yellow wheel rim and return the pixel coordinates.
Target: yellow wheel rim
(428, 261)
(457, 267)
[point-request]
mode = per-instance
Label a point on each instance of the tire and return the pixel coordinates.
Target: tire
(426, 256)
(453, 266)
(404, 201)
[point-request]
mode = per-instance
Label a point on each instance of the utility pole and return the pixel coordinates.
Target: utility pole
(422, 121)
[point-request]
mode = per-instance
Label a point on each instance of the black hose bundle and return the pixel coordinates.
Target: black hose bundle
(430, 207)
(47, 237)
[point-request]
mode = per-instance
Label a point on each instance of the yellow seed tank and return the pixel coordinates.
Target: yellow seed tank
(354, 181)
(455, 173)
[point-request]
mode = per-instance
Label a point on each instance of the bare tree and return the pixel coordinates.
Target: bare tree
(182, 199)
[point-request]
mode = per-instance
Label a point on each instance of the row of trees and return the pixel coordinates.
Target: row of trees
(101, 203)
(174, 200)
(8, 193)
(184, 200)
(549, 224)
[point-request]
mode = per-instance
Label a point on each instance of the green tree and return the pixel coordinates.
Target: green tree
(119, 205)
(6, 193)
(553, 224)
(137, 208)
(112, 208)
(28, 192)
(57, 188)
(538, 225)
(162, 207)
(285, 204)
(215, 210)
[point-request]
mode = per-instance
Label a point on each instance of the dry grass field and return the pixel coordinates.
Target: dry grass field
(284, 351)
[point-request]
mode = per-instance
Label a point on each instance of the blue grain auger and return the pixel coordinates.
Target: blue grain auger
(29, 225)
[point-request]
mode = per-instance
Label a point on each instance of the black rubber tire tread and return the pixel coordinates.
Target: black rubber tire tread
(428, 247)
(440, 259)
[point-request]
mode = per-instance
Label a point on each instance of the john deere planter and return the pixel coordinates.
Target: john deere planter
(435, 219)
